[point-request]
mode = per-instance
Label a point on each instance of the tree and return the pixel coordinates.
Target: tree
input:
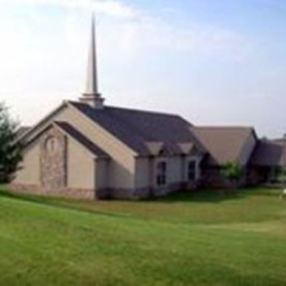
(232, 172)
(281, 176)
(10, 149)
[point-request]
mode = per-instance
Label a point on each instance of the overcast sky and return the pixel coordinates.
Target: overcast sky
(213, 62)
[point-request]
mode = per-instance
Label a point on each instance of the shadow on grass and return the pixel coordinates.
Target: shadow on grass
(216, 195)
(207, 196)
(58, 202)
(199, 196)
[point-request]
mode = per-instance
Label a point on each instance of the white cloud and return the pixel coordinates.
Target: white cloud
(151, 32)
(37, 68)
(194, 38)
(107, 7)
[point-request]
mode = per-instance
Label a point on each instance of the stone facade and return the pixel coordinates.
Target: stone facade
(82, 194)
(101, 194)
(53, 160)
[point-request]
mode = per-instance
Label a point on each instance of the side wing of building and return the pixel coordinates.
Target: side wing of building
(224, 145)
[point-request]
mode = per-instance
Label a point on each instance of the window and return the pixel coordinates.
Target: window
(161, 178)
(51, 144)
(192, 171)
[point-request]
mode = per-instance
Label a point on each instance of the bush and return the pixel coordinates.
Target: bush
(232, 172)
(281, 176)
(10, 149)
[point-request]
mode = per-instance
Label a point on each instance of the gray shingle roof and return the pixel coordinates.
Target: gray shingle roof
(270, 153)
(79, 137)
(224, 144)
(136, 128)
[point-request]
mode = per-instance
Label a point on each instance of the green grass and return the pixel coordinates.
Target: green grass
(185, 239)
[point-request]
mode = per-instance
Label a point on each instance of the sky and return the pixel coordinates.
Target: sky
(212, 62)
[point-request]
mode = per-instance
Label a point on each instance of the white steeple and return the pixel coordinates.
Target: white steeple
(91, 95)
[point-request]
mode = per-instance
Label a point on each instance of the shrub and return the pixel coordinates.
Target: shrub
(232, 172)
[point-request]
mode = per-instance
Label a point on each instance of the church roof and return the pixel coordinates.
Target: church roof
(270, 153)
(224, 144)
(79, 137)
(137, 128)
(22, 130)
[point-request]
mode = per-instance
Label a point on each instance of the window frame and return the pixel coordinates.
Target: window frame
(161, 178)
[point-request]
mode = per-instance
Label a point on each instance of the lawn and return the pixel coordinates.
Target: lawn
(186, 239)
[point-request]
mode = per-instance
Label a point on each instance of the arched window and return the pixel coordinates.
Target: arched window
(51, 144)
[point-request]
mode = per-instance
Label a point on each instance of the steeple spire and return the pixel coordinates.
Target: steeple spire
(91, 95)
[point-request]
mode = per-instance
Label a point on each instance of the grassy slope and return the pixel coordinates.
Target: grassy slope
(201, 239)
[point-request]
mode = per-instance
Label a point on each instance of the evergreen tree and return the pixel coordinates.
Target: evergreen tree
(10, 149)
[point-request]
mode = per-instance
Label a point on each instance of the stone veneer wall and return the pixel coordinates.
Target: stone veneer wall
(53, 160)
(103, 194)
(82, 194)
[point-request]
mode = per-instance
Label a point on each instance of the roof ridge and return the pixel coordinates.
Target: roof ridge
(143, 111)
(223, 127)
(133, 109)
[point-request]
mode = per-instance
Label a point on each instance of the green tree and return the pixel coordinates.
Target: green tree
(232, 172)
(10, 149)
(281, 176)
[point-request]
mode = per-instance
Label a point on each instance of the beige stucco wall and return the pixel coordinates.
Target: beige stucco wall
(122, 165)
(247, 149)
(176, 170)
(102, 174)
(143, 172)
(123, 171)
(80, 166)
(174, 173)
(30, 167)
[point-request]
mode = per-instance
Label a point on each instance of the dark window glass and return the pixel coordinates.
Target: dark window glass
(192, 170)
(161, 178)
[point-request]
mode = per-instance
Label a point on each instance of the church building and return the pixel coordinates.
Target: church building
(89, 150)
